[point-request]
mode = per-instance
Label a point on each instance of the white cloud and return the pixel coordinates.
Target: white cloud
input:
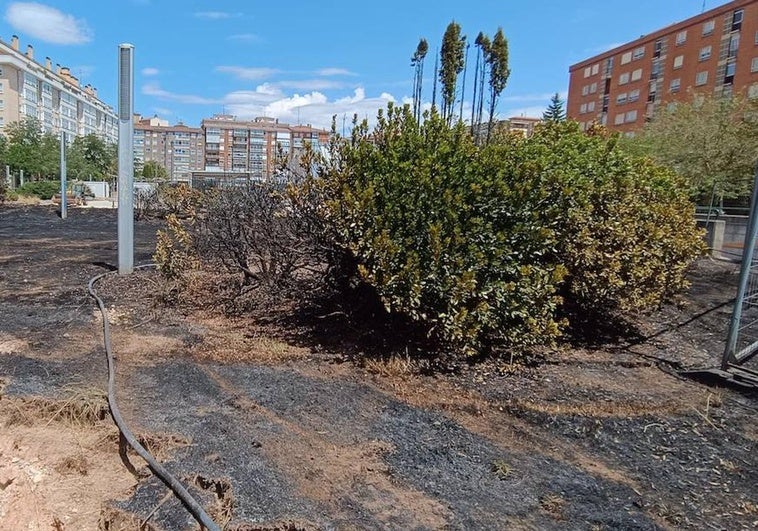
(155, 90)
(163, 111)
(47, 23)
(250, 73)
(333, 71)
(314, 107)
(244, 37)
(216, 15)
(150, 71)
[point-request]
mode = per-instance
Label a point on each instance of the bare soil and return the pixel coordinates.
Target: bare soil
(282, 427)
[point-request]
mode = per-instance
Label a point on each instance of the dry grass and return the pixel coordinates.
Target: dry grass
(27, 200)
(553, 504)
(162, 445)
(222, 509)
(501, 469)
(600, 409)
(79, 407)
(73, 464)
(394, 366)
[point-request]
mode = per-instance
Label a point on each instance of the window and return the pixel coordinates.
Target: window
(734, 44)
(595, 69)
(585, 90)
(621, 98)
(737, 17)
(756, 40)
(619, 119)
(676, 84)
(634, 95)
(1, 87)
(631, 116)
(637, 75)
(678, 61)
(729, 73)
(754, 65)
(591, 106)
(593, 88)
(587, 72)
(705, 53)
(583, 108)
(752, 91)
(627, 58)
(681, 37)
(638, 53)
(624, 79)
(701, 79)
(658, 48)
(708, 27)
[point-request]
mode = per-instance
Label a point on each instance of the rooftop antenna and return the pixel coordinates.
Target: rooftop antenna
(703, 11)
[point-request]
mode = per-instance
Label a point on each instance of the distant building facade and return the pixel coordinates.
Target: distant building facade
(251, 148)
(178, 148)
(50, 94)
(715, 52)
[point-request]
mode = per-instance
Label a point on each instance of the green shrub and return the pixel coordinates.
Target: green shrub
(41, 189)
(443, 239)
(482, 245)
(625, 227)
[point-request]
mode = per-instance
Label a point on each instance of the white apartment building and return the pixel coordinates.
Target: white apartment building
(53, 96)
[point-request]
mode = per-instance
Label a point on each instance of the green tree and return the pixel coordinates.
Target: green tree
(555, 111)
(417, 62)
(91, 158)
(483, 44)
(25, 146)
(497, 59)
(712, 141)
(153, 171)
(452, 61)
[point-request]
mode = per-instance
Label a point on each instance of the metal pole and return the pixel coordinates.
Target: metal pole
(64, 199)
(21, 178)
(747, 260)
(125, 159)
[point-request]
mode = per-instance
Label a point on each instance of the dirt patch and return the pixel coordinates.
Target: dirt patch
(57, 473)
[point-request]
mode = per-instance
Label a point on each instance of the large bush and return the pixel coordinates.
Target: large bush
(477, 244)
(442, 237)
(624, 226)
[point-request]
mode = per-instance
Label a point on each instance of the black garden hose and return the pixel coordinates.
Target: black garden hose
(164, 475)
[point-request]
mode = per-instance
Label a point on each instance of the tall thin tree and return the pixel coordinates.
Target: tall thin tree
(499, 73)
(451, 56)
(477, 43)
(463, 84)
(417, 61)
(434, 87)
(485, 45)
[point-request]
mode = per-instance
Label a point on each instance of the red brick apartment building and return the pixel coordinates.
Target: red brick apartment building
(715, 52)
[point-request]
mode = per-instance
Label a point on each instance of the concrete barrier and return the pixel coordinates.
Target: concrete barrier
(725, 236)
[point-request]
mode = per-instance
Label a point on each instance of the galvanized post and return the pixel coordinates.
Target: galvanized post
(747, 261)
(21, 178)
(125, 159)
(64, 199)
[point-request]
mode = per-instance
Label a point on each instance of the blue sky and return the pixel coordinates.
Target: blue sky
(308, 60)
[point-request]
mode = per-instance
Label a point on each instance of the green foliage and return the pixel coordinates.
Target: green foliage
(442, 238)
(417, 62)
(712, 141)
(451, 55)
(153, 171)
(483, 245)
(624, 227)
(41, 189)
(37, 153)
(496, 57)
(91, 158)
(555, 111)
